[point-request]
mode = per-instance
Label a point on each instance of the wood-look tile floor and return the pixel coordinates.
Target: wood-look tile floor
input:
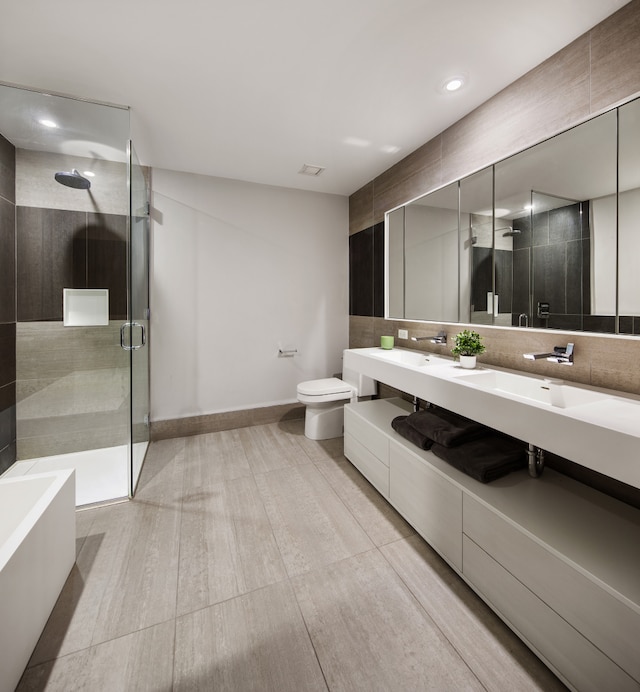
(255, 559)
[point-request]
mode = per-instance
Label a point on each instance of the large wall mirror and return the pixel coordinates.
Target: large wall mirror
(422, 267)
(548, 238)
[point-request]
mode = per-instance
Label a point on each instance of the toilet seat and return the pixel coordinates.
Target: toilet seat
(325, 390)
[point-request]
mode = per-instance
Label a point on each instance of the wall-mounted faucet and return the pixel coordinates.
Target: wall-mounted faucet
(439, 338)
(560, 354)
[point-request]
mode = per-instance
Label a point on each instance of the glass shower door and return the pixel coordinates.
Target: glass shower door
(138, 324)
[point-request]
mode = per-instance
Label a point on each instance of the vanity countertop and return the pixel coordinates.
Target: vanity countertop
(595, 427)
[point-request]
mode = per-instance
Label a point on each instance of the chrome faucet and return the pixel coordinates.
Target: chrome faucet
(560, 354)
(520, 320)
(439, 338)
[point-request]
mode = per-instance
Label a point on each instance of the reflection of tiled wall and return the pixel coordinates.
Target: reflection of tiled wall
(7, 306)
(558, 249)
(59, 249)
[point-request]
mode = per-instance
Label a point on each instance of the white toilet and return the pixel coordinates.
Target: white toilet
(325, 399)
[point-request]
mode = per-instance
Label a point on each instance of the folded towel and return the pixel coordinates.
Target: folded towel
(401, 426)
(445, 427)
(485, 459)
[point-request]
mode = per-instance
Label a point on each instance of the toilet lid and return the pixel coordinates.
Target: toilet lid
(330, 385)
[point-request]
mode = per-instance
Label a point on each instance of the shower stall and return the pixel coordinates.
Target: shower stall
(74, 293)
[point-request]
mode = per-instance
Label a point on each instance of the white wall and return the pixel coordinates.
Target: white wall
(239, 270)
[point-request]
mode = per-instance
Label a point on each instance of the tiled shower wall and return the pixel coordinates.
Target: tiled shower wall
(7, 304)
(597, 71)
(72, 387)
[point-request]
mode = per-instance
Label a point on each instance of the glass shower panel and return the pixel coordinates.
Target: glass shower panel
(138, 324)
(69, 257)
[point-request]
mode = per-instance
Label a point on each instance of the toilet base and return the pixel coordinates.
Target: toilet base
(324, 423)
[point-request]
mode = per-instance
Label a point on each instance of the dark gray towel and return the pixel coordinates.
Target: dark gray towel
(445, 427)
(401, 426)
(487, 458)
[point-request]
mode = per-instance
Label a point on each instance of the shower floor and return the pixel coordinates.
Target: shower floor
(101, 474)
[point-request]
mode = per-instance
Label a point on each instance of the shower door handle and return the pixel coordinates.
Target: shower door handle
(143, 334)
(131, 325)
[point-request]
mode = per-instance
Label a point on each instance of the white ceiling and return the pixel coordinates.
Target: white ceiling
(252, 90)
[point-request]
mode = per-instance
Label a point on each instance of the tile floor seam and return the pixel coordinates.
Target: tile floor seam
(429, 618)
(346, 506)
(318, 568)
(172, 496)
(313, 644)
(377, 545)
(179, 534)
(266, 513)
(372, 546)
(230, 598)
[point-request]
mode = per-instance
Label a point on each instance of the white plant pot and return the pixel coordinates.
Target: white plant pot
(468, 362)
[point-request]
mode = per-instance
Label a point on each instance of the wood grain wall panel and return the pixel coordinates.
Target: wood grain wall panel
(413, 176)
(50, 252)
(107, 259)
(7, 354)
(361, 209)
(546, 100)
(7, 261)
(615, 57)
(229, 420)
(361, 331)
(361, 273)
(7, 170)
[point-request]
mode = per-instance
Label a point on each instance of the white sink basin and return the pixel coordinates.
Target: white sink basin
(545, 391)
(597, 428)
(416, 359)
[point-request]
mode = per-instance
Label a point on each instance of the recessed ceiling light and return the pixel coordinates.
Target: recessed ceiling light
(453, 83)
(357, 142)
(48, 123)
(89, 174)
(308, 169)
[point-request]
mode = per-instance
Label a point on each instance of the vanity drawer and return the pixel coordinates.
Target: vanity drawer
(367, 463)
(369, 436)
(581, 663)
(428, 501)
(612, 624)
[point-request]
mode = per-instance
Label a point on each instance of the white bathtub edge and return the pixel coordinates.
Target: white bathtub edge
(33, 575)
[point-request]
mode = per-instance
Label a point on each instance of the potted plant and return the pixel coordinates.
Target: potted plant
(468, 346)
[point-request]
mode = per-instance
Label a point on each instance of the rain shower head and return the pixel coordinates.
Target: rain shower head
(509, 232)
(73, 179)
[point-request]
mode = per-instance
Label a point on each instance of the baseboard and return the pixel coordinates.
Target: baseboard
(215, 422)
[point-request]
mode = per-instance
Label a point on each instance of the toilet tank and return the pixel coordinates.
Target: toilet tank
(363, 384)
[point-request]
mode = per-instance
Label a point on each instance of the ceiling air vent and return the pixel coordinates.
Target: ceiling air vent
(308, 169)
